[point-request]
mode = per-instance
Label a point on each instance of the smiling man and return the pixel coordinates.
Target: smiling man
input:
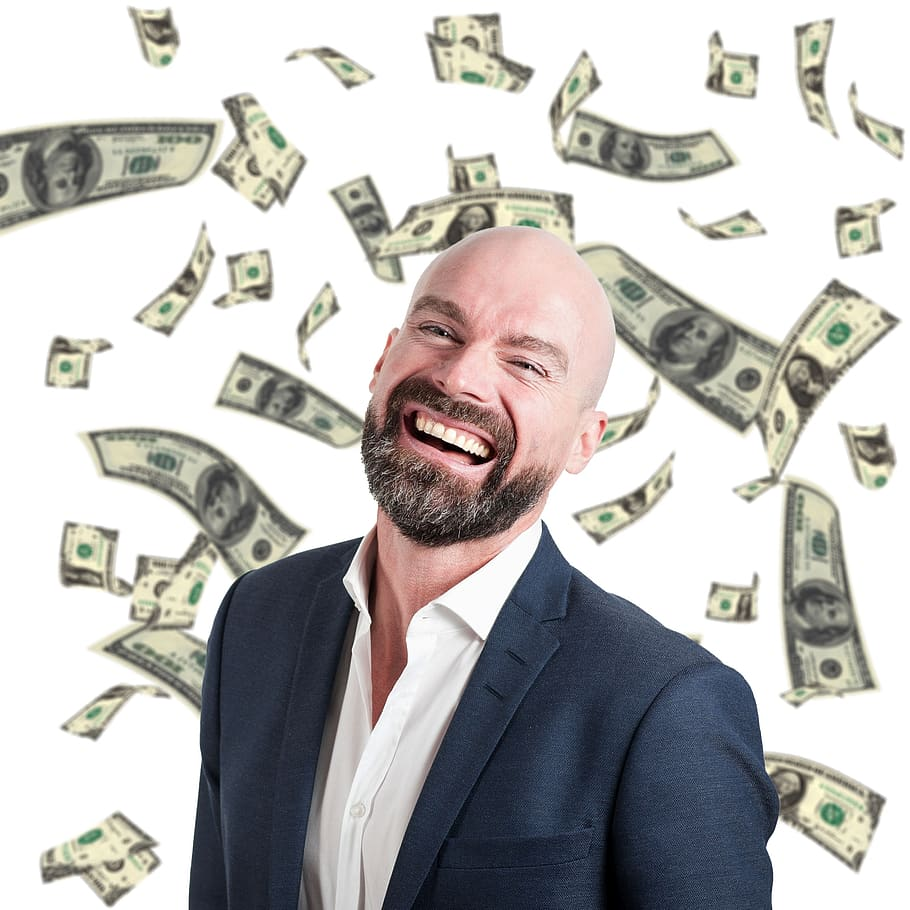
(444, 713)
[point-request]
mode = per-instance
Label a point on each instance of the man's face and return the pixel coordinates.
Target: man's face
(64, 175)
(823, 610)
(222, 503)
(625, 149)
(691, 340)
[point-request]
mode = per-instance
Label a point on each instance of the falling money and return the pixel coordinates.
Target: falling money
(835, 811)
(69, 361)
(110, 881)
(733, 603)
(157, 33)
(728, 73)
(92, 720)
(87, 557)
(626, 425)
(238, 168)
(323, 307)
(153, 575)
(177, 601)
(474, 173)
(743, 224)
(348, 73)
(250, 276)
(581, 82)
(871, 454)
(812, 42)
(857, 227)
(886, 135)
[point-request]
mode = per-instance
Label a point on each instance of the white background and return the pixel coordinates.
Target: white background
(86, 272)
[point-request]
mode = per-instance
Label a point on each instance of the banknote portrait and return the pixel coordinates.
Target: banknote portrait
(160, 31)
(692, 346)
(60, 168)
(368, 221)
(634, 501)
(790, 786)
(819, 614)
(623, 152)
(805, 380)
(874, 449)
(280, 398)
(470, 218)
(225, 503)
(186, 282)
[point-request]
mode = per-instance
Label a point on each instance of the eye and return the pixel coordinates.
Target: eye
(526, 366)
(431, 328)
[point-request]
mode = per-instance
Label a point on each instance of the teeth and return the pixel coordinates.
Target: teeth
(437, 430)
(453, 437)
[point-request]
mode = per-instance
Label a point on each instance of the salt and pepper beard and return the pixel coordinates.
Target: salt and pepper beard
(432, 506)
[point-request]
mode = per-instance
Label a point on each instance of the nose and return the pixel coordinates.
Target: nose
(465, 373)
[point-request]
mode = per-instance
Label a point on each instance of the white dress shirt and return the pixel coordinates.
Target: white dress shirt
(368, 778)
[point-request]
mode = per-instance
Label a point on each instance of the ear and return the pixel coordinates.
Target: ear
(381, 361)
(592, 425)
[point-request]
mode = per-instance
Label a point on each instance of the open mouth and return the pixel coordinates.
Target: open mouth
(465, 446)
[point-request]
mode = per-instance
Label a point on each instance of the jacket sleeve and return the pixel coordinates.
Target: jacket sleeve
(695, 807)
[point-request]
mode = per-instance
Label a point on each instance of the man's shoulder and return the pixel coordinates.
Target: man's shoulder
(310, 566)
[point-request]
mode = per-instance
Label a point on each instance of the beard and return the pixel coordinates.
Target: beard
(428, 504)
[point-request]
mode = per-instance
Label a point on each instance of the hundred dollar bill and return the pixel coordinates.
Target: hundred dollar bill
(460, 62)
(474, 173)
(835, 330)
(742, 224)
(169, 307)
(871, 454)
(482, 33)
(857, 227)
(752, 489)
(323, 307)
(348, 73)
(238, 168)
(250, 276)
(242, 522)
(823, 640)
(153, 575)
(626, 425)
(179, 600)
(644, 156)
(834, 810)
(171, 657)
(110, 841)
(888, 136)
(435, 225)
(812, 42)
(581, 82)
(801, 694)
(735, 603)
(362, 206)
(277, 159)
(157, 33)
(716, 362)
(87, 557)
(729, 73)
(69, 361)
(604, 520)
(267, 391)
(93, 719)
(47, 169)
(110, 881)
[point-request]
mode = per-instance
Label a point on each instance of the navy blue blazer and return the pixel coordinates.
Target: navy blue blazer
(596, 758)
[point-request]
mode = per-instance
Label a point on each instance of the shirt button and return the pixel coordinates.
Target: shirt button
(358, 810)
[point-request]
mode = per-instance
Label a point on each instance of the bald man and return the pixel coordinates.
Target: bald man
(444, 713)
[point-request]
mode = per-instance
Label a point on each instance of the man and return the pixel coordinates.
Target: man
(445, 714)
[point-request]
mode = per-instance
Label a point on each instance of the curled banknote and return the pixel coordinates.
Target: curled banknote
(177, 602)
(362, 206)
(348, 73)
(153, 575)
(157, 33)
(604, 520)
(111, 881)
(92, 720)
(836, 811)
(47, 169)
(170, 306)
(259, 388)
(871, 454)
(238, 168)
(626, 425)
(472, 173)
(88, 554)
(436, 225)
(733, 603)
(716, 362)
(886, 135)
(482, 32)
(752, 489)
(69, 361)
(323, 307)
(812, 42)
(834, 331)
(857, 227)
(251, 278)
(581, 81)
(821, 628)
(729, 73)
(243, 523)
(742, 224)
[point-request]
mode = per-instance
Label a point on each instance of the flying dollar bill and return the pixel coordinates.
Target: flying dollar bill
(857, 227)
(153, 575)
(276, 157)
(250, 275)
(238, 168)
(830, 808)
(742, 224)
(729, 73)
(362, 206)
(243, 523)
(752, 489)
(886, 135)
(812, 42)
(483, 32)
(48, 169)
(733, 603)
(821, 628)
(713, 360)
(111, 881)
(171, 657)
(178, 601)
(834, 331)
(157, 33)
(435, 225)
(604, 520)
(473, 173)
(87, 557)
(267, 391)
(348, 73)
(871, 454)
(323, 307)
(626, 425)
(581, 81)
(93, 719)
(69, 361)
(170, 306)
